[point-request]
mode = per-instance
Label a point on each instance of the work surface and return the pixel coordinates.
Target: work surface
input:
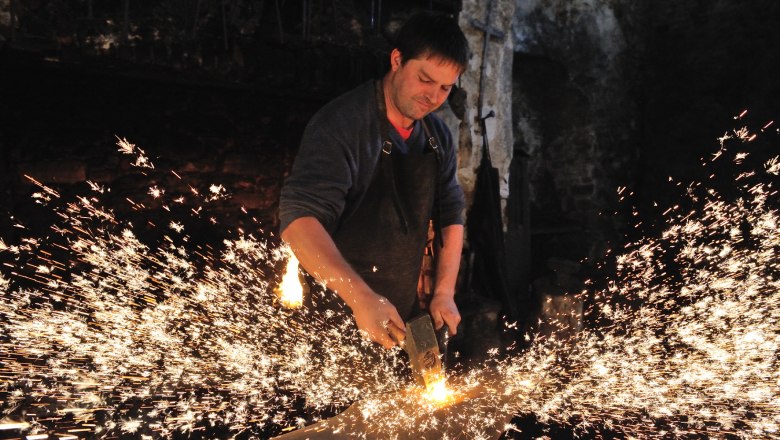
(414, 414)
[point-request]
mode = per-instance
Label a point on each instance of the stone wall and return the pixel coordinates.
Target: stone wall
(609, 99)
(560, 85)
(496, 92)
(565, 101)
(576, 117)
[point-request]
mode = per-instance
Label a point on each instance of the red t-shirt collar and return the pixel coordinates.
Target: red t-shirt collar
(405, 133)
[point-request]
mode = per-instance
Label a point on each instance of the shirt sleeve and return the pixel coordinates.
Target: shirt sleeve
(451, 194)
(320, 178)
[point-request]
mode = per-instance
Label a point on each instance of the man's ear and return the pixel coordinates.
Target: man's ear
(395, 59)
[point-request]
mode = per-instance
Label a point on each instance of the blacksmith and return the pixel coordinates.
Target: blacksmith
(373, 169)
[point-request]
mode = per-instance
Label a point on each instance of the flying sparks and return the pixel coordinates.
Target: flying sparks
(104, 335)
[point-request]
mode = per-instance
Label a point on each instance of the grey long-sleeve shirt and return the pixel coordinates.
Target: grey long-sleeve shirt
(339, 153)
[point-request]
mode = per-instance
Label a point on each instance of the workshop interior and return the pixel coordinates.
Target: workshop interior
(619, 275)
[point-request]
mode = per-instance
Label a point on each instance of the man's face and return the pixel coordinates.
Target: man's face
(420, 85)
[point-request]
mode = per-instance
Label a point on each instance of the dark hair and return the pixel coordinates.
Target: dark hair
(436, 34)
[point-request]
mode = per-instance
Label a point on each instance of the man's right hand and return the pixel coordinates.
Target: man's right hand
(317, 253)
(377, 318)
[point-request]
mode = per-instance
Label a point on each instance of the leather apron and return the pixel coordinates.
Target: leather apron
(384, 238)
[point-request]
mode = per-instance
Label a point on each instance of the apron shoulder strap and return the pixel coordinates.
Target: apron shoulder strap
(437, 151)
(386, 158)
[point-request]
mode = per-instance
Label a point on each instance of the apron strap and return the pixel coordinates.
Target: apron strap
(386, 158)
(434, 144)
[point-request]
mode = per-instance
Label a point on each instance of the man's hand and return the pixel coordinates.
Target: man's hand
(442, 306)
(378, 318)
(443, 310)
(317, 253)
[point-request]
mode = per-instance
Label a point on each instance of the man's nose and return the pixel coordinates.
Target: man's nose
(433, 94)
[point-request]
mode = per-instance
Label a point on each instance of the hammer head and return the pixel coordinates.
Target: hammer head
(423, 350)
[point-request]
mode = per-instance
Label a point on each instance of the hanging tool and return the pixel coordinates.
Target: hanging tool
(490, 32)
(487, 259)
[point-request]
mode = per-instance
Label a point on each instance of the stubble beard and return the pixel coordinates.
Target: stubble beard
(412, 109)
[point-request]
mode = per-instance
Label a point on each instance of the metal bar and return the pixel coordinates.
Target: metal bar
(197, 18)
(484, 60)
(12, 10)
(279, 21)
(372, 16)
(487, 29)
(224, 25)
(379, 16)
(126, 23)
(307, 17)
(483, 128)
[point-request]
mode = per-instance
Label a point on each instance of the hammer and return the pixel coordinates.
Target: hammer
(422, 346)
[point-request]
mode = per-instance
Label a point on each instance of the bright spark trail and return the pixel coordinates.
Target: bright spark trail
(106, 336)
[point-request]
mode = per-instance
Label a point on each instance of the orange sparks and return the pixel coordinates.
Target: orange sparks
(438, 393)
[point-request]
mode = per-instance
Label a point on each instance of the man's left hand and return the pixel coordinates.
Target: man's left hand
(444, 311)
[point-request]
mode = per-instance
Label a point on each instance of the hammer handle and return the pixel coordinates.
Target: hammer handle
(398, 335)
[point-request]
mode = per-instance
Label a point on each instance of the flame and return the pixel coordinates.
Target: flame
(290, 291)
